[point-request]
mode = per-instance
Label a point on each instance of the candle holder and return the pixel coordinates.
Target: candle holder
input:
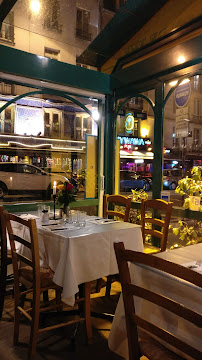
(54, 199)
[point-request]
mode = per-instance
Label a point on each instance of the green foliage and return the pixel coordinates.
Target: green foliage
(190, 186)
(188, 235)
(139, 195)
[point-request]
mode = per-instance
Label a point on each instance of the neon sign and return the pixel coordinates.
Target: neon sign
(125, 140)
(129, 123)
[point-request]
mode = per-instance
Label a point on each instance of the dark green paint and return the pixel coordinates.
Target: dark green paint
(158, 142)
(109, 144)
(24, 64)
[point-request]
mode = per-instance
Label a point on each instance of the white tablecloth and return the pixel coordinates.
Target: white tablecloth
(79, 255)
(181, 291)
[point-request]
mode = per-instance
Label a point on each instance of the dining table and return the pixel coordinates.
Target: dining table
(179, 290)
(80, 254)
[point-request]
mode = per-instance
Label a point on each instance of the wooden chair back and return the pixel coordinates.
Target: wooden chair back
(33, 249)
(111, 200)
(129, 290)
(3, 258)
(163, 225)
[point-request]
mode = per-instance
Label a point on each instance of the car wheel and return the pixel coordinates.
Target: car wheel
(146, 186)
(3, 190)
(172, 186)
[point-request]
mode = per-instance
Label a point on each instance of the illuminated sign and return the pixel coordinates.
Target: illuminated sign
(182, 94)
(125, 140)
(129, 123)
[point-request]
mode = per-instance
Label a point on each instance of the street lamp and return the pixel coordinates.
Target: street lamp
(35, 6)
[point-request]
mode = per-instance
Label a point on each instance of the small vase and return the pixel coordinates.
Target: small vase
(66, 212)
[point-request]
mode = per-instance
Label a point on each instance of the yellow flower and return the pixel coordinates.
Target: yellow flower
(61, 187)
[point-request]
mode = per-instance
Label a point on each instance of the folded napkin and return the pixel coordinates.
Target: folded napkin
(103, 221)
(28, 216)
(194, 265)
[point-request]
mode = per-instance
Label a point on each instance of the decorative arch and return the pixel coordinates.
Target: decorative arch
(151, 103)
(47, 91)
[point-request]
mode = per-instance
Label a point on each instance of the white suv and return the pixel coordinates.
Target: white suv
(25, 177)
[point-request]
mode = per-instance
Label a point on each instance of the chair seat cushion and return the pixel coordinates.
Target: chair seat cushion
(150, 249)
(153, 350)
(46, 277)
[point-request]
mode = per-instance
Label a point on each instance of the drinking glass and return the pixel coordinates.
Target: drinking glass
(73, 217)
(82, 218)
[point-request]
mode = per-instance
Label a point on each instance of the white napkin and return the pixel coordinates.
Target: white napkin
(28, 216)
(194, 265)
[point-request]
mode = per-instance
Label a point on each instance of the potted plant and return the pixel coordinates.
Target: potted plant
(191, 189)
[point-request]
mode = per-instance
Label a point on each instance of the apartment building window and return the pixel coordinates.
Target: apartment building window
(196, 107)
(83, 126)
(7, 29)
(51, 53)
(197, 136)
(7, 120)
(113, 5)
(52, 123)
(82, 24)
(6, 89)
(175, 139)
(196, 82)
(52, 15)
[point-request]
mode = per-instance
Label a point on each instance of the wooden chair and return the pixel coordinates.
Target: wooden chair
(40, 280)
(5, 258)
(146, 344)
(163, 225)
(117, 200)
(111, 200)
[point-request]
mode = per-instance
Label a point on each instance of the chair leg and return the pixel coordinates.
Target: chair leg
(98, 285)
(34, 332)
(2, 286)
(58, 293)
(16, 326)
(108, 286)
(88, 313)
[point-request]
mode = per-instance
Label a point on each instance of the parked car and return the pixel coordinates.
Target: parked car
(24, 177)
(71, 179)
(171, 178)
(131, 180)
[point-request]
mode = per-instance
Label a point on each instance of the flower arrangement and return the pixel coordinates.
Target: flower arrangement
(65, 194)
(190, 186)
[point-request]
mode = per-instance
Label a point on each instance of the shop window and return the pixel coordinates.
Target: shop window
(7, 29)
(82, 24)
(7, 121)
(52, 15)
(51, 53)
